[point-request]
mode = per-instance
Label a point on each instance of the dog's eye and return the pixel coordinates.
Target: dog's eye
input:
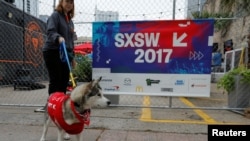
(99, 95)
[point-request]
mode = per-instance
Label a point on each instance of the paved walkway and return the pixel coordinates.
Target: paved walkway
(12, 132)
(22, 124)
(123, 123)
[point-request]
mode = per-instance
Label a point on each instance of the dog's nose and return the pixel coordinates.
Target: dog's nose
(108, 102)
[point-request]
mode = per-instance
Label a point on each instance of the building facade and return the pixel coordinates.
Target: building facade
(194, 6)
(106, 15)
(99, 16)
(30, 6)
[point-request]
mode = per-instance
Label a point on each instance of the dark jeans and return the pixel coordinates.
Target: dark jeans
(58, 71)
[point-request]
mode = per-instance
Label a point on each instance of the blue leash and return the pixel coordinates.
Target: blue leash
(64, 54)
(64, 57)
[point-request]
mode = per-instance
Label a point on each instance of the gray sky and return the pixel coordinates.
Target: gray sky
(129, 10)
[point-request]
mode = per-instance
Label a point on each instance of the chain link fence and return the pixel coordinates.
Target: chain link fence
(22, 37)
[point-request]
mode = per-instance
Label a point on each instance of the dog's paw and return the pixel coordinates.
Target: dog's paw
(66, 136)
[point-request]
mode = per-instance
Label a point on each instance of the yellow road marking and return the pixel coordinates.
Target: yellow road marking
(146, 112)
(146, 115)
(202, 114)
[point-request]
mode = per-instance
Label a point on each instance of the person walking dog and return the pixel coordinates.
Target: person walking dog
(60, 29)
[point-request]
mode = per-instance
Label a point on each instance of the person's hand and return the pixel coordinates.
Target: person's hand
(61, 39)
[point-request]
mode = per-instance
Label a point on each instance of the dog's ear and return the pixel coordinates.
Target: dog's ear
(94, 87)
(95, 82)
(100, 78)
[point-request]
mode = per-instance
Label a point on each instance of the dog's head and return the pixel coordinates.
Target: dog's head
(89, 95)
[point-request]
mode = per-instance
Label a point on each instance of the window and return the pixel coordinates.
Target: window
(28, 6)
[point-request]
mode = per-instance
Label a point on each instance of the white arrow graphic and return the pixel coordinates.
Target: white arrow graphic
(177, 42)
(195, 55)
(200, 55)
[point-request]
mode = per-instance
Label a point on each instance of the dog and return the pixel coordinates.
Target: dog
(70, 112)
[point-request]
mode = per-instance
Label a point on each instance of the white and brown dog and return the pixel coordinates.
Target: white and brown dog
(71, 112)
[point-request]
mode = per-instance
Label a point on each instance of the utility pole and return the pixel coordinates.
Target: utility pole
(199, 8)
(54, 5)
(23, 33)
(174, 5)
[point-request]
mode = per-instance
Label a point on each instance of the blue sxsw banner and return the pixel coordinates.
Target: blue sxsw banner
(173, 47)
(169, 47)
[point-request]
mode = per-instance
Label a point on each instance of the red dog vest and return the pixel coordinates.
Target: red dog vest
(55, 103)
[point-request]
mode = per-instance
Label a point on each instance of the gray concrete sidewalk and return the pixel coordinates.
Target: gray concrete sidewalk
(11, 132)
(22, 124)
(119, 123)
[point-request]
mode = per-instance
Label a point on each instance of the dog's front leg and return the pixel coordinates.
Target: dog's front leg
(79, 137)
(66, 136)
(60, 134)
(45, 128)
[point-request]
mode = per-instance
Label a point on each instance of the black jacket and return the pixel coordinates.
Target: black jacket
(57, 26)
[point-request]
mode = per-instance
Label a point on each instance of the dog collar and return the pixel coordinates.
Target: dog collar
(84, 117)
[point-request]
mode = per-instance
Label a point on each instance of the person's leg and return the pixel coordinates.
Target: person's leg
(65, 78)
(59, 77)
(55, 72)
